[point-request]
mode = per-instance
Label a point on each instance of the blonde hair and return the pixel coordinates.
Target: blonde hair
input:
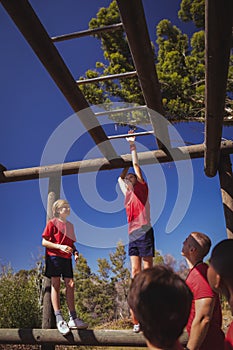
(57, 205)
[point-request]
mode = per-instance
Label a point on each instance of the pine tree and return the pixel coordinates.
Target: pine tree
(121, 278)
(179, 61)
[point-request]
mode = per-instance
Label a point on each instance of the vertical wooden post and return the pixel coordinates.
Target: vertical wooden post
(226, 182)
(48, 319)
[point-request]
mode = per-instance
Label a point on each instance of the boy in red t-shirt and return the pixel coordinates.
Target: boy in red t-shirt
(58, 239)
(141, 234)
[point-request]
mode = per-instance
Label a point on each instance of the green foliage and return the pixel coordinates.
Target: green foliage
(177, 71)
(158, 259)
(193, 10)
(117, 59)
(121, 278)
(19, 299)
(180, 65)
(100, 299)
(94, 295)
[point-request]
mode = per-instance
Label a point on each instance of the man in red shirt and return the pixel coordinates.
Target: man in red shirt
(220, 277)
(141, 234)
(205, 320)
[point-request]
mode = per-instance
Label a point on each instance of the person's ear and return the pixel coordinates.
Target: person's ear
(192, 249)
(217, 281)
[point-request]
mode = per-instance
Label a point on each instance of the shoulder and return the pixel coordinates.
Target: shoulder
(51, 222)
(141, 186)
(68, 223)
(49, 228)
(198, 283)
(141, 183)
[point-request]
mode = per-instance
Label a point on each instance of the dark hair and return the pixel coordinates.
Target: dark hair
(132, 174)
(161, 302)
(222, 258)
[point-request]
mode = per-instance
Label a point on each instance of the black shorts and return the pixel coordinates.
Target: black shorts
(55, 266)
(141, 242)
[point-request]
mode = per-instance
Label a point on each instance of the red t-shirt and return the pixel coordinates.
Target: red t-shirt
(137, 206)
(197, 282)
(59, 232)
(229, 338)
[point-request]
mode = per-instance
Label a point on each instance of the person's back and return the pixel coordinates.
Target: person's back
(161, 301)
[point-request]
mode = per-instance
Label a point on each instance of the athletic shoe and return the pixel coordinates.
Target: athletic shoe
(77, 324)
(63, 327)
(136, 328)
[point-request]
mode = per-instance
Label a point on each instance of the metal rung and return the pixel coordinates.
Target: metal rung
(136, 134)
(120, 110)
(107, 77)
(87, 32)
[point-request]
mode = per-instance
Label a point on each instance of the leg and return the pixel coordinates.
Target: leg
(147, 262)
(55, 293)
(136, 265)
(55, 298)
(69, 283)
(74, 322)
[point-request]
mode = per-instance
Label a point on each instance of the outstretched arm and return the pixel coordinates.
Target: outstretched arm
(134, 154)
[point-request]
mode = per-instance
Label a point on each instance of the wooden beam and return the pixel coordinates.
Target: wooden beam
(48, 317)
(134, 22)
(87, 32)
(80, 337)
(30, 26)
(219, 20)
(226, 183)
(84, 166)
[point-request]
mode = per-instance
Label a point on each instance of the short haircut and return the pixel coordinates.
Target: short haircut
(204, 243)
(222, 259)
(58, 204)
(161, 302)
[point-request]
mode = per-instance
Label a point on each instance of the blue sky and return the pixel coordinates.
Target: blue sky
(33, 110)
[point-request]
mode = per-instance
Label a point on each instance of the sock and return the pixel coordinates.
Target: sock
(58, 316)
(73, 315)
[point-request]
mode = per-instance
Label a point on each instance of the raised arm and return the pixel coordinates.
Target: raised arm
(121, 181)
(124, 173)
(134, 154)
